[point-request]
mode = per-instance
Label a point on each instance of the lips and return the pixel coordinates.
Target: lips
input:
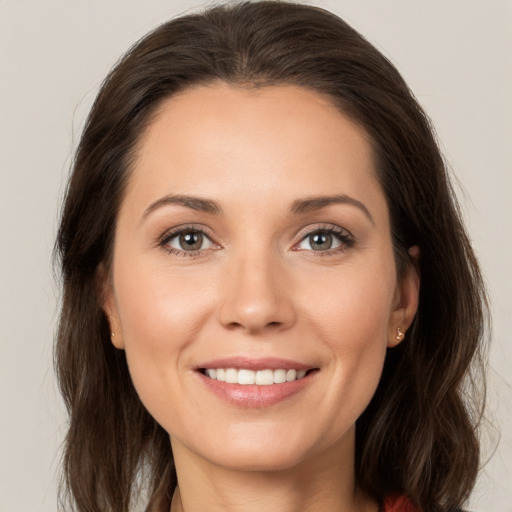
(255, 383)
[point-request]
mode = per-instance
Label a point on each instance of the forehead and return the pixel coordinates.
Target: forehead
(222, 140)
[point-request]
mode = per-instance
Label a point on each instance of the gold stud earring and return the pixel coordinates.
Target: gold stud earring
(399, 335)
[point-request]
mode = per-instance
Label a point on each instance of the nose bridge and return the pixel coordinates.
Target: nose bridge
(257, 292)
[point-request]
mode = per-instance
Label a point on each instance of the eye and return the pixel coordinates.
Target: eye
(187, 240)
(326, 240)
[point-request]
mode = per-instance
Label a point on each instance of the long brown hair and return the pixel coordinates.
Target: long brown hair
(418, 435)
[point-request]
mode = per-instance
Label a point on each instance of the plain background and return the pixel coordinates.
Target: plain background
(456, 57)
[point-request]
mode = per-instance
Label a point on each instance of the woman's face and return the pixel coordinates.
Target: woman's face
(253, 245)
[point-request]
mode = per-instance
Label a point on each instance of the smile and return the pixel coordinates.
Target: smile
(255, 383)
(246, 377)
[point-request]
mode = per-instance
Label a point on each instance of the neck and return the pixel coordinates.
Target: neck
(325, 482)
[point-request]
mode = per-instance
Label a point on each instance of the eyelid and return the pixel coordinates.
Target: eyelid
(344, 235)
(175, 231)
(313, 228)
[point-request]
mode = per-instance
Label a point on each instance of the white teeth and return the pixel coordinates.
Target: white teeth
(245, 377)
(260, 377)
(264, 377)
(231, 376)
(291, 375)
(279, 376)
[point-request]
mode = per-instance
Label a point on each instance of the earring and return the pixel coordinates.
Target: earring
(112, 335)
(399, 335)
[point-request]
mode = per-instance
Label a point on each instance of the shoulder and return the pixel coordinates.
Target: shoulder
(398, 503)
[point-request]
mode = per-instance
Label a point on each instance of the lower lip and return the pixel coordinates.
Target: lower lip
(254, 396)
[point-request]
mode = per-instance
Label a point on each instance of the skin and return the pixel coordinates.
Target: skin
(257, 288)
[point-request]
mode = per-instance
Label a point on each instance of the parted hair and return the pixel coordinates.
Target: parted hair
(419, 434)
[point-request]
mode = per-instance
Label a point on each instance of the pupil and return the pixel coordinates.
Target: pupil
(321, 241)
(191, 241)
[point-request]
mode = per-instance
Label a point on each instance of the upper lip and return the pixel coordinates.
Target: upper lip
(267, 363)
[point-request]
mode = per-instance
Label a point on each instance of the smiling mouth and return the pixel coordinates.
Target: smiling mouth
(264, 377)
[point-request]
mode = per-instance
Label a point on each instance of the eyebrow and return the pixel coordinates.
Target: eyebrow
(299, 206)
(194, 203)
(317, 203)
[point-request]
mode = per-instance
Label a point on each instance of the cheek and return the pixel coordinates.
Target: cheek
(161, 316)
(159, 309)
(353, 305)
(350, 319)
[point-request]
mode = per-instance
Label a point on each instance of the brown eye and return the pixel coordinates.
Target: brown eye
(326, 239)
(189, 241)
(320, 241)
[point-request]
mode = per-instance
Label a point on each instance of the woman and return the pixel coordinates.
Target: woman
(254, 201)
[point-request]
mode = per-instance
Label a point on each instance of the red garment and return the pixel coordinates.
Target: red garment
(398, 504)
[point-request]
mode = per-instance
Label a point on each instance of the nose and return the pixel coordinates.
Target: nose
(257, 295)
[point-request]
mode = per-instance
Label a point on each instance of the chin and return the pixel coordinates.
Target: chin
(265, 450)
(256, 459)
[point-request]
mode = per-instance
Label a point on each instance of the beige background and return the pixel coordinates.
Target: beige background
(455, 55)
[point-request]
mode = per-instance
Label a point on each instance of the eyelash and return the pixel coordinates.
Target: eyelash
(345, 238)
(173, 233)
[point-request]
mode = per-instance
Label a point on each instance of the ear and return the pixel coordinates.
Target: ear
(108, 303)
(406, 300)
